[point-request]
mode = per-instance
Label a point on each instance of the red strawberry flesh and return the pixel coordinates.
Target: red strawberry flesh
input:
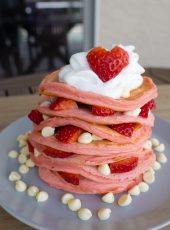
(102, 111)
(62, 103)
(123, 166)
(70, 177)
(125, 129)
(107, 64)
(35, 116)
(55, 153)
(68, 134)
(151, 105)
(30, 147)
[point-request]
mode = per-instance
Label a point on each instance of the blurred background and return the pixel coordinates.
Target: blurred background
(37, 37)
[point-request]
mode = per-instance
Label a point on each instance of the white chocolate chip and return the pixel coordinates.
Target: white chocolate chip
(22, 158)
(151, 170)
(14, 176)
(160, 148)
(74, 204)
(25, 151)
(47, 131)
(22, 137)
(108, 198)
(45, 117)
(162, 158)
(45, 104)
(134, 191)
(125, 200)
(156, 165)
(84, 214)
(104, 213)
(96, 138)
(147, 145)
(42, 196)
(32, 190)
(23, 169)
(22, 143)
(126, 92)
(149, 177)
(143, 186)
(104, 169)
(155, 142)
(133, 113)
(36, 153)
(13, 154)
(30, 163)
(85, 138)
(20, 186)
(66, 197)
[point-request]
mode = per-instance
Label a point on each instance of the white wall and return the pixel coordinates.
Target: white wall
(143, 23)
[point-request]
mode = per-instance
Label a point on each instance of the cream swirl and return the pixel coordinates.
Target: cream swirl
(79, 74)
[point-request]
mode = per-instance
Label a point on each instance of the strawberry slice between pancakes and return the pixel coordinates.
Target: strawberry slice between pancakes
(62, 103)
(125, 129)
(107, 64)
(102, 111)
(55, 153)
(35, 116)
(123, 166)
(151, 105)
(70, 177)
(68, 134)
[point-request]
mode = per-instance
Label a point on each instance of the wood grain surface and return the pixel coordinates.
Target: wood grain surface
(14, 107)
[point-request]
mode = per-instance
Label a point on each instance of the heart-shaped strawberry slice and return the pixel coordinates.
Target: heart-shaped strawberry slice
(107, 64)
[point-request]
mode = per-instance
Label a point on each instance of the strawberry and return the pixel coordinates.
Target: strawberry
(151, 105)
(55, 153)
(68, 133)
(102, 111)
(30, 147)
(123, 166)
(70, 177)
(107, 64)
(35, 116)
(125, 129)
(62, 103)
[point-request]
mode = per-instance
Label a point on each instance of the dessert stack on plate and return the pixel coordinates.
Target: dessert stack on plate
(93, 121)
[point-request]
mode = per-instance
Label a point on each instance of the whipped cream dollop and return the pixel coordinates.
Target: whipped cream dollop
(79, 74)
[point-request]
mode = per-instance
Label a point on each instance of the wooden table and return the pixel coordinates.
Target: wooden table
(13, 107)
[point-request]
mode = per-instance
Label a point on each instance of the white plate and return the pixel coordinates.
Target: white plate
(150, 210)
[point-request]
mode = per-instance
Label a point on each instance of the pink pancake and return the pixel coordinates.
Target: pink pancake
(138, 97)
(100, 130)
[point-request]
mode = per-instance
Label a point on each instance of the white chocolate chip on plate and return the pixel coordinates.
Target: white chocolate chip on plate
(155, 142)
(20, 186)
(125, 200)
(66, 197)
(143, 186)
(74, 204)
(84, 214)
(108, 198)
(47, 131)
(14, 176)
(25, 150)
(13, 154)
(22, 158)
(85, 138)
(156, 165)
(32, 190)
(147, 145)
(162, 158)
(104, 169)
(42, 196)
(148, 177)
(23, 169)
(30, 163)
(104, 213)
(135, 191)
(22, 137)
(160, 148)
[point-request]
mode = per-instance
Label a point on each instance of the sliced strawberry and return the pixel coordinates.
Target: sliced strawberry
(68, 134)
(70, 177)
(35, 116)
(107, 64)
(125, 129)
(151, 105)
(123, 166)
(62, 103)
(102, 111)
(30, 147)
(55, 153)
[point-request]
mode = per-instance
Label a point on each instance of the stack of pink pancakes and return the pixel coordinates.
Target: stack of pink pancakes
(77, 169)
